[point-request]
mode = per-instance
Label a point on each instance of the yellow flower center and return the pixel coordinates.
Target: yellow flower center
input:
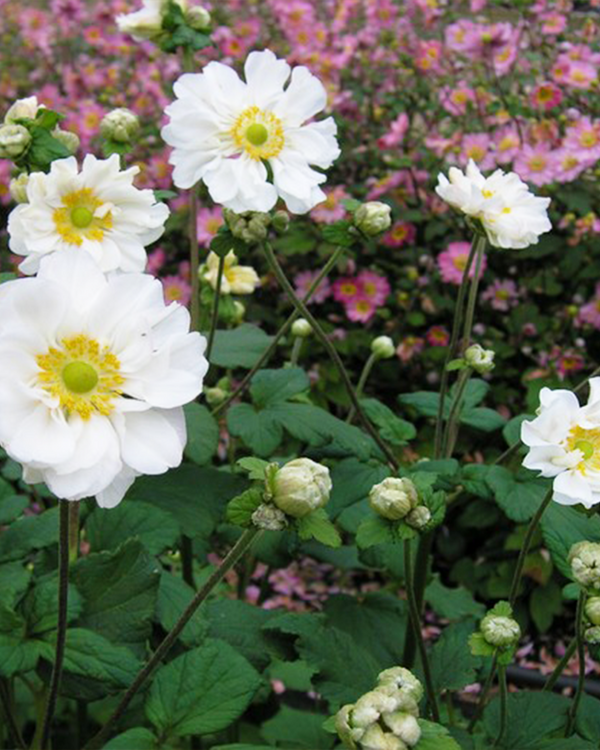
(259, 133)
(476, 153)
(537, 163)
(460, 262)
(588, 139)
(487, 193)
(79, 218)
(588, 442)
(84, 376)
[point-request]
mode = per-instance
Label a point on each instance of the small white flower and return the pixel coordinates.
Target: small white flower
(222, 129)
(97, 210)
(564, 443)
(511, 216)
(301, 486)
(235, 280)
(94, 371)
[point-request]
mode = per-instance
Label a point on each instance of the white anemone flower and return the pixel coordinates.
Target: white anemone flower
(97, 210)
(564, 443)
(223, 130)
(236, 279)
(511, 216)
(94, 371)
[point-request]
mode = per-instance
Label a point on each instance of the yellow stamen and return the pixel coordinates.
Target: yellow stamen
(588, 442)
(259, 133)
(77, 219)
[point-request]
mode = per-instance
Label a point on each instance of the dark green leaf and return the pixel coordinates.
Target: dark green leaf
(452, 663)
(435, 737)
(391, 428)
(107, 528)
(374, 530)
(240, 347)
(339, 233)
(533, 716)
(316, 525)
(519, 495)
(293, 728)
(29, 533)
(452, 603)
(261, 431)
(135, 739)
(241, 508)
(352, 481)
(275, 386)
(564, 526)
(202, 432)
(174, 595)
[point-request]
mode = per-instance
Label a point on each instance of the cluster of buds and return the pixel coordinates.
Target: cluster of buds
(398, 499)
(253, 226)
(148, 23)
(592, 613)
(373, 218)
(498, 633)
(584, 559)
(384, 718)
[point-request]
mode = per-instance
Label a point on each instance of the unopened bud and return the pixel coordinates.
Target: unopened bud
(348, 733)
(121, 125)
(22, 108)
(383, 347)
(68, 139)
(500, 631)
(373, 218)
(404, 726)
(301, 328)
(393, 498)
(239, 311)
(400, 678)
(584, 559)
(198, 18)
(268, 517)
(376, 739)
(14, 139)
(250, 226)
(592, 635)
(419, 517)
(18, 188)
(592, 610)
(215, 396)
(280, 221)
(480, 359)
(370, 706)
(300, 487)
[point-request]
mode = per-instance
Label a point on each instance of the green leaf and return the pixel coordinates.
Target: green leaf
(254, 466)
(107, 528)
(374, 530)
(201, 692)
(533, 716)
(202, 432)
(293, 728)
(452, 603)
(16, 653)
(545, 603)
(275, 386)
(339, 233)
(241, 508)
(316, 525)
(486, 420)
(435, 737)
(240, 347)
(138, 738)
(452, 664)
(14, 579)
(479, 646)
(119, 589)
(174, 595)
(512, 429)
(11, 505)
(40, 606)
(519, 495)
(29, 533)
(391, 428)
(44, 149)
(261, 431)
(564, 526)
(352, 481)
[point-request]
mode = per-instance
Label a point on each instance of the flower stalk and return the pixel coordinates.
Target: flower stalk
(215, 311)
(580, 644)
(362, 381)
(560, 667)
(503, 704)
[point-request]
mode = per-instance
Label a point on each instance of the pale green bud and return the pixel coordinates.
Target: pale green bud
(419, 517)
(268, 517)
(500, 631)
(348, 734)
(280, 221)
(300, 487)
(301, 328)
(68, 139)
(480, 359)
(250, 226)
(121, 125)
(18, 188)
(22, 108)
(584, 558)
(370, 706)
(404, 726)
(403, 679)
(393, 498)
(592, 635)
(198, 18)
(215, 396)
(376, 739)
(592, 610)
(14, 139)
(373, 218)
(383, 347)
(239, 311)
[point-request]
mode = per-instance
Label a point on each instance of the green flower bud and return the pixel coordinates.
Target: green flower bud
(383, 347)
(419, 517)
(268, 517)
(373, 218)
(14, 139)
(370, 706)
(376, 739)
(22, 108)
(250, 226)
(500, 631)
(400, 678)
(348, 734)
(404, 726)
(592, 610)
(18, 188)
(280, 222)
(480, 359)
(239, 311)
(215, 396)
(68, 139)
(121, 125)
(393, 498)
(198, 18)
(592, 635)
(301, 328)
(300, 487)
(584, 558)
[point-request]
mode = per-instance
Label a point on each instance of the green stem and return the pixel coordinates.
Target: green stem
(503, 704)
(279, 335)
(330, 348)
(73, 530)
(560, 667)
(61, 627)
(234, 555)
(415, 619)
(215, 311)
(472, 301)
(187, 561)
(451, 431)
(362, 381)
(7, 704)
(484, 694)
(296, 349)
(579, 640)
(450, 354)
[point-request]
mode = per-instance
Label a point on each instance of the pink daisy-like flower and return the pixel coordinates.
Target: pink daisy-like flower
(396, 133)
(546, 96)
(437, 336)
(409, 347)
(208, 224)
(536, 164)
(331, 209)
(374, 287)
(156, 260)
(477, 146)
(401, 233)
(346, 289)
(360, 310)
(590, 312)
(567, 361)
(501, 294)
(507, 143)
(176, 289)
(452, 263)
(303, 281)
(456, 100)
(569, 166)
(583, 139)
(553, 23)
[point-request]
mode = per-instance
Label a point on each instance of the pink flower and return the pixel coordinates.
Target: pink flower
(360, 310)
(209, 222)
(567, 361)
(583, 139)
(536, 164)
(507, 143)
(502, 295)
(332, 208)
(437, 336)
(590, 312)
(346, 289)
(455, 100)
(303, 281)
(409, 347)
(396, 133)
(176, 289)
(156, 260)
(568, 165)
(553, 23)
(477, 146)
(452, 263)
(373, 287)
(429, 55)
(546, 96)
(401, 233)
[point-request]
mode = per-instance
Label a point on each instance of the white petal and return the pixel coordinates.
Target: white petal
(152, 442)
(570, 488)
(112, 495)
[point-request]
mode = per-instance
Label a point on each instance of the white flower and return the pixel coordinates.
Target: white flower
(511, 216)
(235, 280)
(301, 486)
(94, 371)
(564, 442)
(145, 23)
(23, 108)
(97, 210)
(223, 129)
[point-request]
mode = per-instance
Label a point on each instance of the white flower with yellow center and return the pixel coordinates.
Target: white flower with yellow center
(510, 215)
(94, 371)
(564, 443)
(236, 279)
(97, 210)
(224, 131)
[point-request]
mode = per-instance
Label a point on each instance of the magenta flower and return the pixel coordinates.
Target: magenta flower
(373, 287)
(536, 164)
(303, 281)
(346, 289)
(331, 209)
(437, 336)
(590, 312)
(209, 222)
(401, 233)
(360, 310)
(501, 294)
(176, 289)
(452, 263)
(546, 96)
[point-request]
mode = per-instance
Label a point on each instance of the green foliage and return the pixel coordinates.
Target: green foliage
(534, 716)
(316, 525)
(173, 597)
(297, 729)
(435, 737)
(452, 664)
(107, 529)
(239, 347)
(519, 495)
(452, 603)
(393, 429)
(202, 433)
(562, 527)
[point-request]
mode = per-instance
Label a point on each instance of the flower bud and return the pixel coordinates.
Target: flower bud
(215, 396)
(301, 328)
(373, 218)
(480, 359)
(268, 517)
(280, 221)
(347, 732)
(300, 487)
(198, 18)
(584, 559)
(14, 139)
(376, 739)
(383, 347)
(239, 311)
(393, 498)
(403, 679)
(592, 635)
(370, 706)
(404, 726)
(22, 108)
(68, 139)
(120, 125)
(500, 631)
(250, 226)
(419, 517)
(18, 188)
(592, 610)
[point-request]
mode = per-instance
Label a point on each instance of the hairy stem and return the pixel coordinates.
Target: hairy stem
(7, 704)
(362, 381)
(503, 704)
(215, 311)
(579, 640)
(560, 667)
(451, 431)
(234, 555)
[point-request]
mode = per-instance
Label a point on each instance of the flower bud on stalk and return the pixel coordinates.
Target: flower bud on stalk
(22, 108)
(198, 18)
(268, 517)
(393, 498)
(373, 218)
(301, 328)
(18, 188)
(300, 487)
(592, 635)
(584, 559)
(250, 226)
(68, 139)
(383, 347)
(500, 631)
(480, 359)
(280, 222)
(120, 125)
(376, 739)
(404, 726)
(14, 139)
(592, 610)
(419, 517)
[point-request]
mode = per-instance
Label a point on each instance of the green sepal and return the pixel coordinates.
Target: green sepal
(241, 508)
(316, 525)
